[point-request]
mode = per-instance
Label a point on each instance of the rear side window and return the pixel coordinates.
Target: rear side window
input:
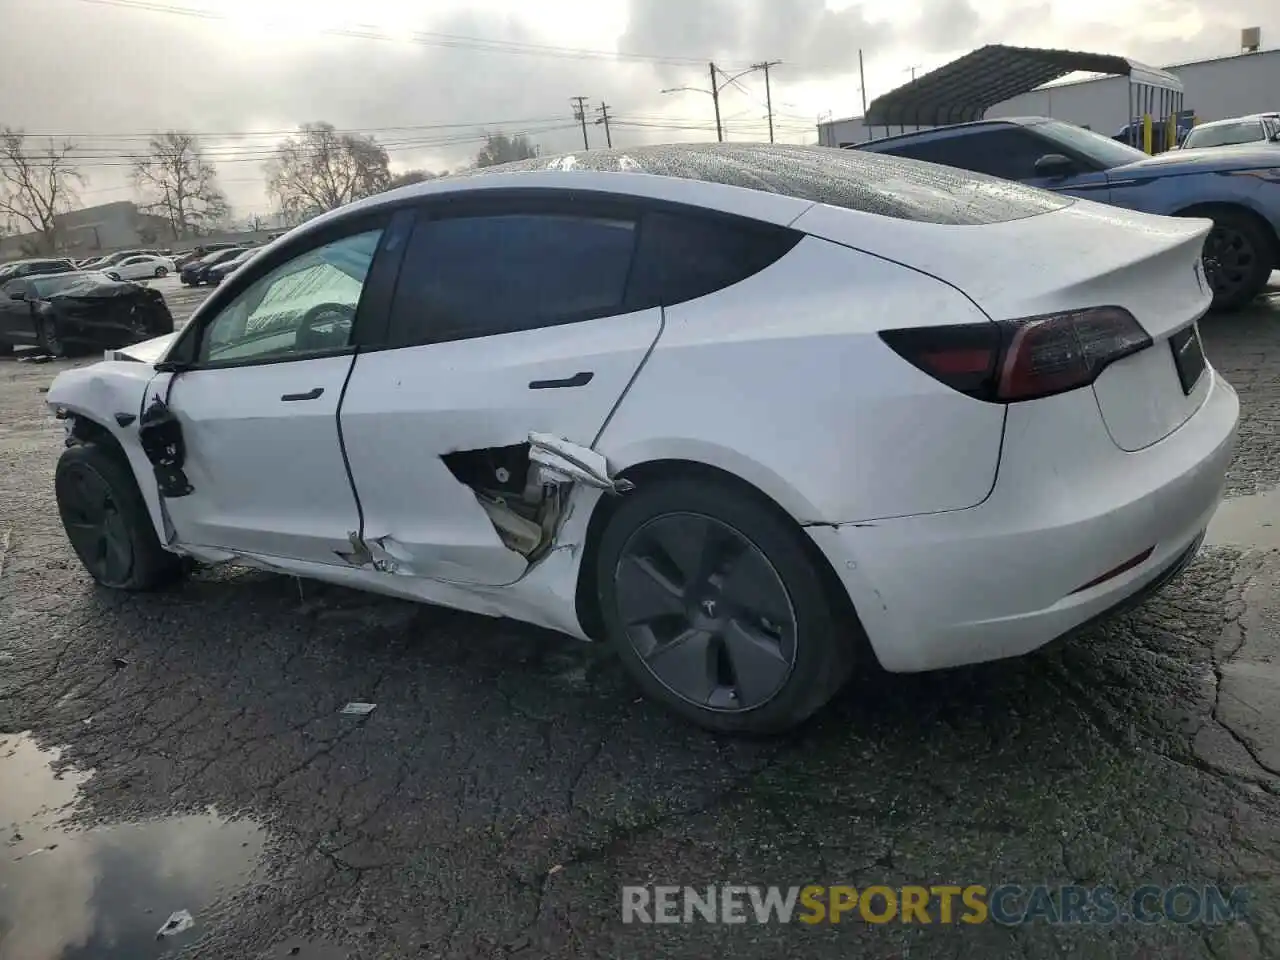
(681, 257)
(476, 276)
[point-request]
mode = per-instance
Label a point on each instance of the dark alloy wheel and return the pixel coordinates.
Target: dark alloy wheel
(718, 608)
(706, 612)
(162, 272)
(107, 521)
(95, 526)
(1237, 260)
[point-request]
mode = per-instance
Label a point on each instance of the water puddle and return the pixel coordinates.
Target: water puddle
(105, 892)
(1252, 521)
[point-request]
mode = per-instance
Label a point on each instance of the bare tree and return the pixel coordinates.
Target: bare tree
(36, 185)
(178, 184)
(320, 169)
(499, 148)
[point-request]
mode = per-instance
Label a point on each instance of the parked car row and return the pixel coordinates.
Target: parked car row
(1238, 188)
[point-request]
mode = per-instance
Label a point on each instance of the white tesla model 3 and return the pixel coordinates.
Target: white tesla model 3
(745, 412)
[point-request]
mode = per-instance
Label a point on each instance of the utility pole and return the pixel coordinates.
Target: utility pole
(862, 83)
(580, 114)
(715, 98)
(768, 95)
(603, 110)
(913, 72)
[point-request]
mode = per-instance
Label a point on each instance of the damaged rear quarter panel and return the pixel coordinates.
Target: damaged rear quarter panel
(798, 395)
(98, 393)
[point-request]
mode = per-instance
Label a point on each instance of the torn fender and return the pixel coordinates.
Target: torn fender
(565, 461)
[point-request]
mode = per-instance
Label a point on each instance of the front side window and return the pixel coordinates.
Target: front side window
(302, 307)
(476, 276)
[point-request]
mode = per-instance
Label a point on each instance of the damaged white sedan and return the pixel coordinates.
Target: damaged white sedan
(746, 412)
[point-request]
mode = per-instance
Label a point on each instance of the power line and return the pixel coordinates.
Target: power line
(421, 37)
(216, 134)
(264, 155)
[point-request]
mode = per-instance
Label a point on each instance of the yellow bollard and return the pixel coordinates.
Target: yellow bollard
(1146, 133)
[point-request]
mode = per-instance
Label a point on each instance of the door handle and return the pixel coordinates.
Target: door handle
(312, 394)
(580, 379)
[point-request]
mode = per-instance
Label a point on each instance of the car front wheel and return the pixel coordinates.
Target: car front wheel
(107, 522)
(161, 272)
(1237, 259)
(717, 608)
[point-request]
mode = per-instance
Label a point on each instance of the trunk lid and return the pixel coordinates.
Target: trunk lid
(1084, 255)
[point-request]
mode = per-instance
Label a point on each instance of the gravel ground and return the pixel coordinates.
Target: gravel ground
(509, 781)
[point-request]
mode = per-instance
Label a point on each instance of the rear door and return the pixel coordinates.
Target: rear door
(509, 318)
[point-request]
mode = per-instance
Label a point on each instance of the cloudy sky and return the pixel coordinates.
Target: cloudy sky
(427, 78)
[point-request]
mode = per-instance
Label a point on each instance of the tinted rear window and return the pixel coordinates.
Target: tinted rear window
(871, 183)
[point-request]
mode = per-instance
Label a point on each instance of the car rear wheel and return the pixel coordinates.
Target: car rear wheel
(107, 522)
(717, 608)
(1237, 259)
(161, 272)
(50, 339)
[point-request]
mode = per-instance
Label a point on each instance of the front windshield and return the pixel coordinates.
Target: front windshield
(1103, 151)
(1225, 134)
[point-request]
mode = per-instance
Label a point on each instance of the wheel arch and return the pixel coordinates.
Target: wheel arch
(1208, 209)
(86, 428)
(586, 594)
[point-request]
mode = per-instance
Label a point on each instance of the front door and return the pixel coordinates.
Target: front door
(504, 323)
(259, 411)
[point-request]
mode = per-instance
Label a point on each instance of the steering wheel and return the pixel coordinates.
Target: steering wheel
(325, 326)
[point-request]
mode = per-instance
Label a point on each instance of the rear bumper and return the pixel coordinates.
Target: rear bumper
(1005, 577)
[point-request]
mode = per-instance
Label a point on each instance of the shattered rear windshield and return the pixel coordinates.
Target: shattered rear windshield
(867, 182)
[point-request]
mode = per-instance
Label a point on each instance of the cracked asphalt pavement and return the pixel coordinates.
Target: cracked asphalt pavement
(510, 781)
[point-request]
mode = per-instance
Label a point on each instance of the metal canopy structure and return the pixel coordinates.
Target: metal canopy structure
(963, 90)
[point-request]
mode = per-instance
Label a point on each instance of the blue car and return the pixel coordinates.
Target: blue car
(1238, 188)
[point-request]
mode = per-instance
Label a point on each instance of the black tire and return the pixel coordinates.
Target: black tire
(161, 272)
(48, 336)
(1238, 258)
(114, 276)
(120, 548)
(816, 641)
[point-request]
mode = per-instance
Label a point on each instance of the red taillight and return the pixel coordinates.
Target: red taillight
(1022, 359)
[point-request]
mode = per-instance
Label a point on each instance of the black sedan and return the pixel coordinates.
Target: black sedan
(220, 271)
(196, 272)
(62, 313)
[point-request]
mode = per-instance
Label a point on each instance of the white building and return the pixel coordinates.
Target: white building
(1214, 89)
